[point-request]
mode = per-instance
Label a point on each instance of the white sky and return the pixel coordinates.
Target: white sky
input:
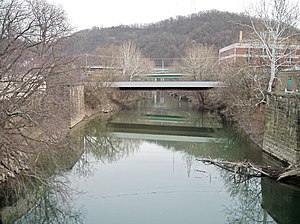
(106, 13)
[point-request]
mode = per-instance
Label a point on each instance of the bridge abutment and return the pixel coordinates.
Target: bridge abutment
(76, 104)
(66, 102)
(282, 127)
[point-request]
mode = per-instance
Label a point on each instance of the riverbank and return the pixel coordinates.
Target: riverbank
(110, 106)
(251, 124)
(13, 163)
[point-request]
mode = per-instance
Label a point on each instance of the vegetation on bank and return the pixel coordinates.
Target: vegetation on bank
(33, 67)
(34, 73)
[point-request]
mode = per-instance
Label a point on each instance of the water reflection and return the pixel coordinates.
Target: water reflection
(244, 205)
(262, 201)
(115, 173)
(100, 143)
(281, 201)
(44, 196)
(247, 196)
(243, 200)
(31, 201)
(49, 205)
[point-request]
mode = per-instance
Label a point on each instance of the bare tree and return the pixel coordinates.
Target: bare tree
(244, 98)
(31, 34)
(201, 62)
(103, 69)
(114, 63)
(273, 23)
(132, 62)
(198, 60)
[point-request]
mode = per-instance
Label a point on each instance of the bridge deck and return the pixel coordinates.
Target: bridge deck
(167, 85)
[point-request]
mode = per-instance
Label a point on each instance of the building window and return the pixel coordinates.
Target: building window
(249, 59)
(263, 51)
(289, 83)
(262, 61)
(249, 54)
(249, 51)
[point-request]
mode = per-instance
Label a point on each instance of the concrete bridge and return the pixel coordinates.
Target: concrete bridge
(182, 82)
(75, 93)
(167, 85)
(154, 81)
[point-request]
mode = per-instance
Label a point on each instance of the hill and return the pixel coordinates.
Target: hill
(167, 38)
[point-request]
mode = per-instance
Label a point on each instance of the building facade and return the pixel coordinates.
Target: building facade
(255, 54)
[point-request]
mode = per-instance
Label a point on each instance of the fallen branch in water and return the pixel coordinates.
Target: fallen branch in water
(248, 169)
(291, 171)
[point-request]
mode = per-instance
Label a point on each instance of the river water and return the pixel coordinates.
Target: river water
(141, 166)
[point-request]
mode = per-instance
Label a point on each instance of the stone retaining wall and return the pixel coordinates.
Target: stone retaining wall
(282, 126)
(77, 108)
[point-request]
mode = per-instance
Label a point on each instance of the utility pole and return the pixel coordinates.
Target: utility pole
(162, 65)
(193, 6)
(86, 62)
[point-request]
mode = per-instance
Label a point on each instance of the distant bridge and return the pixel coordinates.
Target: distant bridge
(155, 80)
(167, 76)
(167, 85)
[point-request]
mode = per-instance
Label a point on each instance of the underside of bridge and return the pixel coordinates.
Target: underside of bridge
(167, 85)
(145, 88)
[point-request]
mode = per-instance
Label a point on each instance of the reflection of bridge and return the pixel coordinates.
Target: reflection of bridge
(164, 132)
(159, 85)
(175, 138)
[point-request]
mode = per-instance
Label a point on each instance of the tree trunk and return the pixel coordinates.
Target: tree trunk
(200, 98)
(273, 70)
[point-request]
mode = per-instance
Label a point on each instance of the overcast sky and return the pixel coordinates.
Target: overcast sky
(106, 13)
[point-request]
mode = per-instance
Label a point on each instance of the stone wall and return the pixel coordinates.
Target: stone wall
(282, 126)
(76, 104)
(66, 101)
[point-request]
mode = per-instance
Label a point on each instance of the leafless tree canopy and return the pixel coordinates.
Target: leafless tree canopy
(132, 61)
(200, 61)
(113, 63)
(273, 23)
(31, 33)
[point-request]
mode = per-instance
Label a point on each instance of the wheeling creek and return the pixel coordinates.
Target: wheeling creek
(140, 166)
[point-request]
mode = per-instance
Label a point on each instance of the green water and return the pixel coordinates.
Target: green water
(141, 166)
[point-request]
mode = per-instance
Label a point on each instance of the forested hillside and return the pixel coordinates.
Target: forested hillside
(167, 38)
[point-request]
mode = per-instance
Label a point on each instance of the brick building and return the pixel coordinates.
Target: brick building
(254, 53)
